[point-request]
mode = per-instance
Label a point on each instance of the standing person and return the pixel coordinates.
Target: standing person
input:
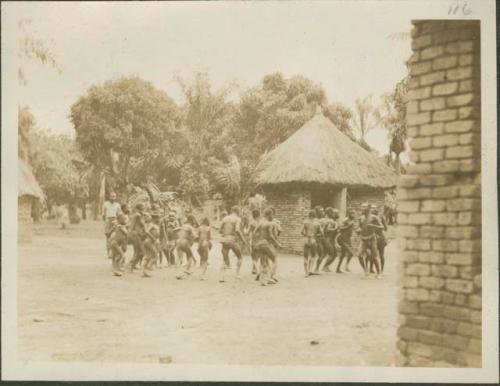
(185, 238)
(171, 239)
(265, 241)
(368, 224)
(344, 239)
(310, 229)
(331, 229)
(151, 242)
(320, 238)
(381, 239)
(231, 234)
(137, 234)
(110, 211)
(254, 222)
(204, 245)
(118, 244)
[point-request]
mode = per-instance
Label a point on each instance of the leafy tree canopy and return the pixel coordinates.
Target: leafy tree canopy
(55, 160)
(123, 121)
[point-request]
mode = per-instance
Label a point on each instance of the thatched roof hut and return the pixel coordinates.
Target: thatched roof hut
(28, 191)
(319, 165)
(320, 153)
(27, 184)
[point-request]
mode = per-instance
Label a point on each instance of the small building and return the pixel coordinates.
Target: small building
(28, 191)
(319, 165)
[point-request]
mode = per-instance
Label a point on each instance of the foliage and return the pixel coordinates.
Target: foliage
(207, 118)
(32, 48)
(341, 117)
(124, 122)
(365, 116)
(392, 115)
(58, 168)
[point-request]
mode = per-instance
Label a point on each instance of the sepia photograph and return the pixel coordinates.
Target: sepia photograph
(236, 191)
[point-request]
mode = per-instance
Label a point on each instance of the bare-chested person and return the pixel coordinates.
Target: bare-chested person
(137, 234)
(369, 224)
(310, 229)
(204, 245)
(170, 238)
(381, 239)
(151, 242)
(331, 230)
(118, 243)
(265, 241)
(231, 234)
(344, 239)
(185, 237)
(250, 234)
(320, 238)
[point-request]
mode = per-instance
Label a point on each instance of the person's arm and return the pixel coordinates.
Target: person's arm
(103, 215)
(124, 229)
(274, 240)
(303, 231)
(375, 223)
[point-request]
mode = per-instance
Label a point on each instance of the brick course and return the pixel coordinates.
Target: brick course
(440, 200)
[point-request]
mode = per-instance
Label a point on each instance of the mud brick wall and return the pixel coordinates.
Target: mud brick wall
(440, 200)
(292, 207)
(24, 220)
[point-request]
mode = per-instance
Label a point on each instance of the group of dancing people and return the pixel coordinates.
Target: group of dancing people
(327, 238)
(161, 237)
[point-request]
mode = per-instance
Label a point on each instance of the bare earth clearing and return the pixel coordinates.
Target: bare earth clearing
(72, 309)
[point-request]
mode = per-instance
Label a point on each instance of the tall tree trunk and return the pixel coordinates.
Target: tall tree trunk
(397, 166)
(84, 210)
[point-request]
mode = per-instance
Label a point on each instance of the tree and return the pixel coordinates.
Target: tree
(55, 162)
(342, 117)
(207, 119)
(32, 48)
(365, 117)
(123, 122)
(268, 114)
(392, 115)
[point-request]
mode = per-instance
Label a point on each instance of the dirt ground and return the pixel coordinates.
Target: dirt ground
(72, 309)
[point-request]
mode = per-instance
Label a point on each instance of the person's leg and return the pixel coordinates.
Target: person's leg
(116, 255)
(331, 253)
(363, 258)
(203, 252)
(237, 251)
(313, 249)
(225, 255)
(306, 259)
(190, 258)
(273, 259)
(381, 249)
(375, 256)
(255, 260)
(321, 254)
(137, 252)
(148, 256)
(264, 268)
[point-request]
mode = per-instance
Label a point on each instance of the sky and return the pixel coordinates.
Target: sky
(352, 49)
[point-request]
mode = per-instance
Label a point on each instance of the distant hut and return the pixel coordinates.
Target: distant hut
(319, 165)
(28, 190)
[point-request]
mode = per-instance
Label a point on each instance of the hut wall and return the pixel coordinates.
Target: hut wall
(291, 208)
(440, 200)
(24, 220)
(356, 197)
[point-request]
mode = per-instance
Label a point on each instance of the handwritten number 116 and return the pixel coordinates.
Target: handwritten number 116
(459, 6)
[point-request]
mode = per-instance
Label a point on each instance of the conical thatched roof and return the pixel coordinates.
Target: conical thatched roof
(26, 183)
(320, 153)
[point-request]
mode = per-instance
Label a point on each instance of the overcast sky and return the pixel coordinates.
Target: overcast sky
(352, 48)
